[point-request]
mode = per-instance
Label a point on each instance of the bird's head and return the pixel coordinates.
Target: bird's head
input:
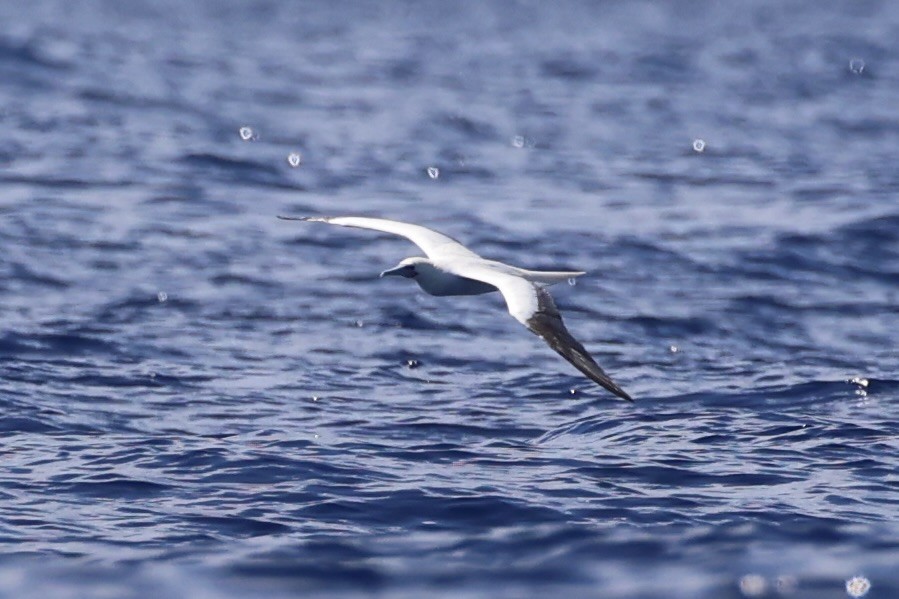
(408, 268)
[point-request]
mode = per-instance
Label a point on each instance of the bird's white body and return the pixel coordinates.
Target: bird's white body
(452, 269)
(440, 282)
(438, 278)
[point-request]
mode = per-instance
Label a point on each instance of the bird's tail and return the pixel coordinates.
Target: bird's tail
(550, 277)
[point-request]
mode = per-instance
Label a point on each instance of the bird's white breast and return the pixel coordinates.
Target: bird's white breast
(438, 282)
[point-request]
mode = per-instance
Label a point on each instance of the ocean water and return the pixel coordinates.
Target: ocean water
(198, 400)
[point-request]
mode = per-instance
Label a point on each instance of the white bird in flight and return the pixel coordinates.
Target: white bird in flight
(452, 269)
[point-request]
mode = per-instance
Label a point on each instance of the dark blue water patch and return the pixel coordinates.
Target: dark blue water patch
(572, 67)
(647, 254)
(789, 396)
(866, 126)
(502, 244)
(113, 382)
(862, 249)
(13, 345)
(763, 315)
(194, 461)
(17, 424)
(59, 183)
(529, 562)
(272, 469)
(783, 523)
(881, 229)
(405, 318)
(174, 230)
(882, 386)
(667, 475)
(114, 487)
(692, 180)
(673, 328)
(432, 453)
(672, 64)
(28, 55)
(243, 171)
(317, 563)
(24, 274)
(420, 428)
(175, 194)
(26, 67)
(241, 280)
(116, 101)
(11, 152)
(467, 126)
(236, 526)
(411, 507)
(141, 307)
(327, 240)
(55, 344)
(456, 166)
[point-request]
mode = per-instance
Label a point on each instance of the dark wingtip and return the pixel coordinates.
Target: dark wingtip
(609, 385)
(308, 219)
(606, 383)
(549, 326)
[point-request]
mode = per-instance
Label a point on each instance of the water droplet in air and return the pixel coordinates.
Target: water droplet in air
(518, 141)
(858, 586)
(162, 296)
(753, 585)
(857, 66)
(247, 134)
(433, 172)
(698, 145)
(672, 349)
(572, 281)
(294, 159)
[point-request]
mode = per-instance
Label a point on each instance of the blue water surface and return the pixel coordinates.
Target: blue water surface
(200, 400)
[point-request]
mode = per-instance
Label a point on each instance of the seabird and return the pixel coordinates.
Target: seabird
(452, 269)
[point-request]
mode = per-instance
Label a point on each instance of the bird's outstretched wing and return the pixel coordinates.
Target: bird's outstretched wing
(533, 306)
(435, 245)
